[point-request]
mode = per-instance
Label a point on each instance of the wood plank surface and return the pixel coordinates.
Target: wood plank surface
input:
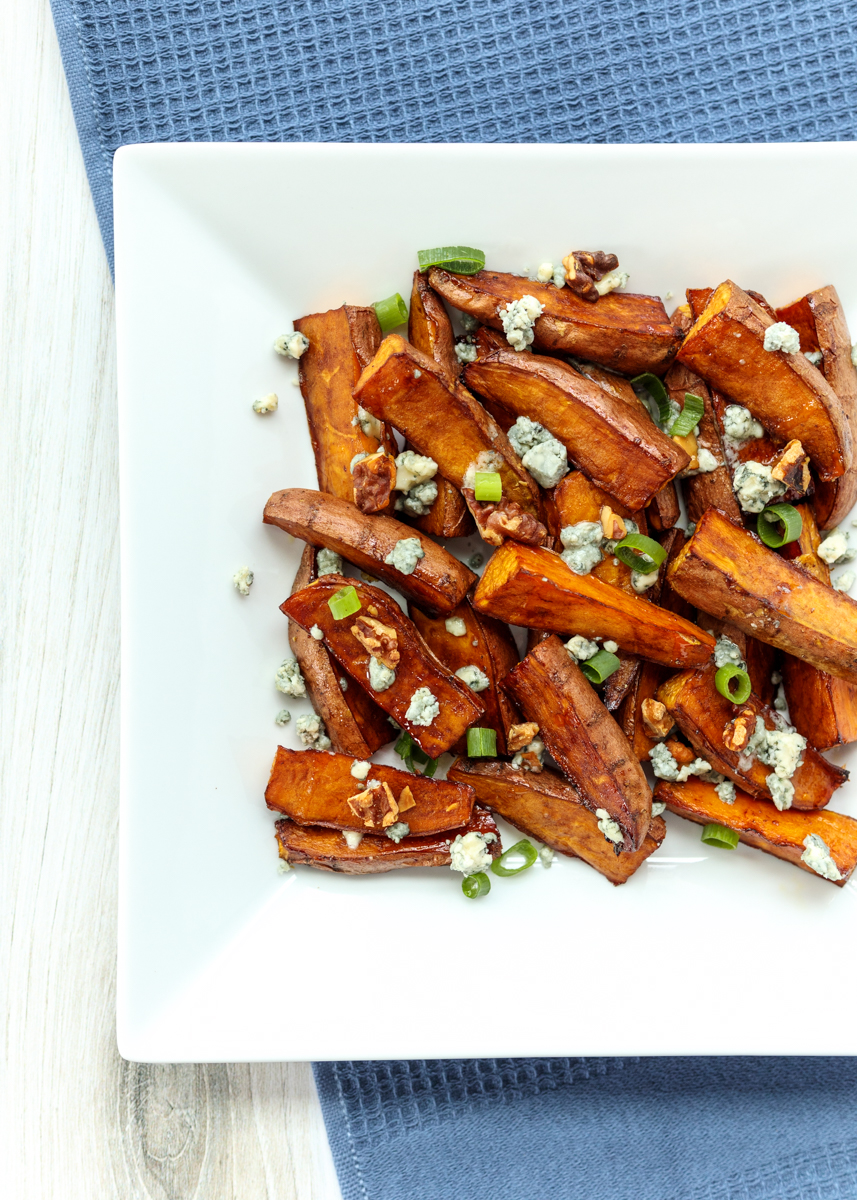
(79, 1123)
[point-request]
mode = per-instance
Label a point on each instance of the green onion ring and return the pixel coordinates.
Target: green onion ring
(640, 553)
(600, 667)
(391, 312)
(775, 516)
(719, 835)
(724, 679)
(689, 417)
(481, 743)
(524, 847)
(488, 486)
(343, 603)
(657, 391)
(461, 260)
(476, 885)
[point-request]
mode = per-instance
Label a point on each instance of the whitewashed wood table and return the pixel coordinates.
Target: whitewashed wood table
(78, 1122)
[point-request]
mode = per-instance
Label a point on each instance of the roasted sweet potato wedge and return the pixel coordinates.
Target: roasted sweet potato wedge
(486, 644)
(784, 391)
(341, 343)
(758, 824)
(620, 450)
(645, 687)
(728, 573)
(531, 586)
(583, 738)
(819, 318)
(438, 582)
(414, 664)
(629, 333)
(355, 724)
(664, 511)
(708, 489)
(609, 380)
(313, 787)
(327, 849)
(703, 716)
(548, 808)
(576, 498)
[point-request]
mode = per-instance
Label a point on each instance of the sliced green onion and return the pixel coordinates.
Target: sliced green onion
(410, 754)
(640, 553)
(463, 260)
(488, 486)
(689, 417)
(779, 524)
(431, 767)
(404, 749)
(719, 835)
(343, 603)
(391, 312)
(728, 675)
(657, 391)
(476, 885)
(524, 848)
(481, 743)
(600, 667)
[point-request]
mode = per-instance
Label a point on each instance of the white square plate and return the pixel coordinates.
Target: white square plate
(218, 249)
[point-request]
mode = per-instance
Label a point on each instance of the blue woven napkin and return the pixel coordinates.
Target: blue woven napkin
(458, 70)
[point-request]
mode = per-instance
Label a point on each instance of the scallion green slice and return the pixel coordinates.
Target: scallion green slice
(779, 524)
(463, 260)
(412, 756)
(719, 835)
(391, 312)
(732, 674)
(640, 553)
(524, 848)
(343, 603)
(600, 667)
(689, 417)
(476, 885)
(657, 391)
(481, 743)
(488, 486)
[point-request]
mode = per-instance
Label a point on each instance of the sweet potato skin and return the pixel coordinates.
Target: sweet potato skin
(583, 738)
(727, 572)
(531, 586)
(311, 787)
(438, 583)
(627, 332)
(784, 391)
(326, 850)
(354, 722)
(488, 645)
(760, 825)
(548, 808)
(417, 668)
(709, 489)
(617, 447)
(702, 714)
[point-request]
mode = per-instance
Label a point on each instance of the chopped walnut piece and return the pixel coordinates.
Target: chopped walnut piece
(379, 639)
(681, 753)
(374, 480)
(656, 718)
(520, 736)
(612, 524)
(688, 444)
(372, 610)
(584, 268)
(406, 799)
(531, 762)
(376, 807)
(737, 733)
(507, 519)
(792, 467)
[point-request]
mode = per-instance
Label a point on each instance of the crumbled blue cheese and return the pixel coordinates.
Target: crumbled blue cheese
(782, 791)
(465, 352)
(611, 647)
(519, 317)
(360, 769)
(582, 543)
(353, 838)
(475, 679)
(369, 425)
(707, 461)
(541, 454)
(423, 707)
(405, 555)
(726, 791)
(834, 549)
(456, 626)
(291, 345)
(726, 652)
(419, 499)
(755, 486)
(468, 323)
(396, 832)
(328, 562)
(545, 272)
(739, 424)
(580, 648)
(413, 469)
(380, 676)
(658, 807)
(317, 633)
(781, 336)
(609, 827)
(283, 717)
(781, 750)
(266, 404)
(469, 852)
(813, 356)
(358, 457)
(536, 746)
(243, 580)
(546, 857)
(612, 280)
(844, 582)
(665, 766)
(289, 679)
(641, 583)
(343, 683)
(311, 731)
(818, 858)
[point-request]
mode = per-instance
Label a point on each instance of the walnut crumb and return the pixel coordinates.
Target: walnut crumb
(792, 467)
(406, 800)
(520, 736)
(376, 807)
(380, 640)
(739, 730)
(583, 270)
(612, 524)
(656, 718)
(689, 445)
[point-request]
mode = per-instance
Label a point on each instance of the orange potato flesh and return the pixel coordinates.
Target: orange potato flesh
(784, 391)
(629, 333)
(548, 808)
(312, 787)
(341, 342)
(327, 850)
(531, 586)
(702, 714)
(761, 825)
(583, 738)
(576, 498)
(438, 583)
(709, 489)
(488, 645)
(645, 687)
(728, 573)
(611, 382)
(417, 668)
(621, 450)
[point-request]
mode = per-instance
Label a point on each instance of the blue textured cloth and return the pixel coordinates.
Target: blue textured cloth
(457, 70)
